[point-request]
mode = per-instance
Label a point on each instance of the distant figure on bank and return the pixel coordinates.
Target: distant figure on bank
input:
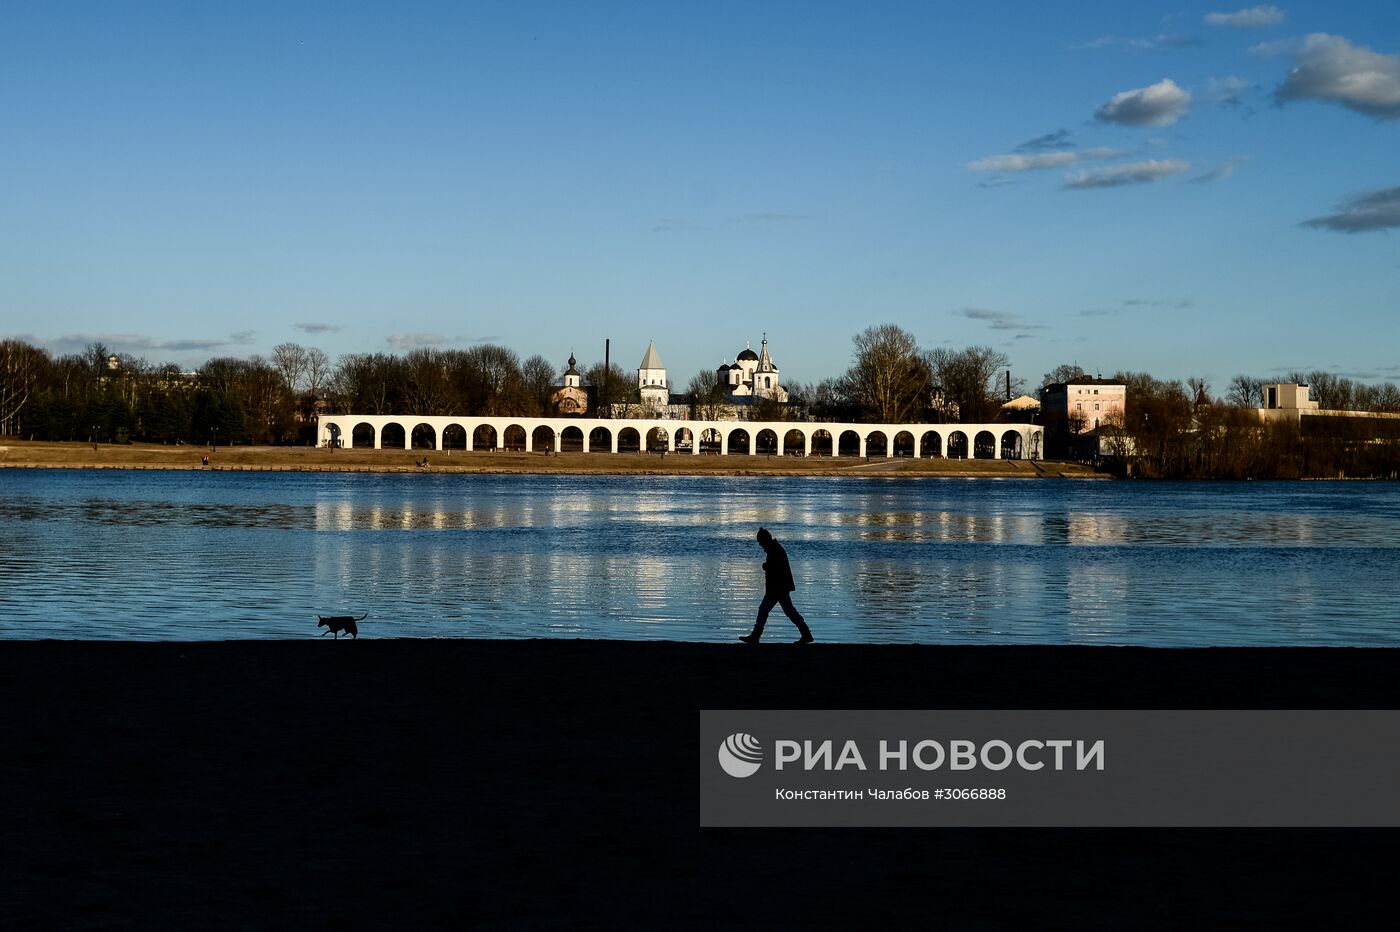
(777, 584)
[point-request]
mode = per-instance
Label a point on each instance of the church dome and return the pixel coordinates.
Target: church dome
(748, 355)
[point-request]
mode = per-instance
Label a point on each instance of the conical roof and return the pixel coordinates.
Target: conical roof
(652, 360)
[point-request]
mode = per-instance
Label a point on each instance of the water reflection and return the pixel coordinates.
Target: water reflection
(170, 555)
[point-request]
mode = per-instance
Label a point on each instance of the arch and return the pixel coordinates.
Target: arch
(391, 436)
(484, 438)
(424, 437)
(1037, 444)
(767, 441)
(930, 444)
(904, 443)
(629, 440)
(571, 440)
(876, 443)
(513, 437)
(711, 440)
(454, 437)
(849, 443)
(795, 443)
(542, 438)
(657, 439)
(984, 445)
(1011, 445)
(821, 443)
(362, 435)
(957, 445)
(600, 440)
(685, 439)
(739, 441)
(333, 435)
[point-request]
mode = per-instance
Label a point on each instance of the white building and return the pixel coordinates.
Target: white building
(651, 379)
(752, 376)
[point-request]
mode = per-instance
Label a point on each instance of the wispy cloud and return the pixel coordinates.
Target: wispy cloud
(1141, 43)
(1329, 68)
(1362, 213)
(1160, 104)
(1022, 162)
(998, 320)
(136, 344)
(1059, 139)
(315, 327)
(401, 341)
(1255, 17)
(1220, 172)
(1101, 312)
(1116, 176)
(242, 336)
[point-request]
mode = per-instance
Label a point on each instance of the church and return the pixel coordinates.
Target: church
(752, 376)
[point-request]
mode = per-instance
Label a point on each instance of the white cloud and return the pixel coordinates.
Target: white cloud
(1115, 176)
(1039, 160)
(1362, 213)
(1331, 68)
(1160, 104)
(1252, 18)
(1227, 91)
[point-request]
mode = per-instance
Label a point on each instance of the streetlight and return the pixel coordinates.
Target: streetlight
(214, 433)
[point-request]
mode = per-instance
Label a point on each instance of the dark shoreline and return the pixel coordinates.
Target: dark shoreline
(426, 782)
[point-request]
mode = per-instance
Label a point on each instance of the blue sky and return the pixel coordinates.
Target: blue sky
(1128, 186)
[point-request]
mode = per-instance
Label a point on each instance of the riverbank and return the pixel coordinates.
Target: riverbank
(425, 783)
(55, 455)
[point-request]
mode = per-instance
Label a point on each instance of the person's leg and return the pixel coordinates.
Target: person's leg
(785, 600)
(764, 608)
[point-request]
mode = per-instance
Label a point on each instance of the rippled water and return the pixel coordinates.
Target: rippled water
(197, 555)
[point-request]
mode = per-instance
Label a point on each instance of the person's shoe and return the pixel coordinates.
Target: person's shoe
(805, 639)
(749, 638)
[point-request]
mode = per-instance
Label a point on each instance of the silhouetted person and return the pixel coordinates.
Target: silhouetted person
(777, 584)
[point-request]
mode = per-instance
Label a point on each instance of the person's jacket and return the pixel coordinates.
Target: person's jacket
(777, 574)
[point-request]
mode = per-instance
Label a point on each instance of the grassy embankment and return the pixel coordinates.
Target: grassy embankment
(38, 454)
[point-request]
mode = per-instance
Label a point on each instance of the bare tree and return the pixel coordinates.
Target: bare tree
(1063, 374)
(888, 379)
(20, 367)
(1245, 391)
(290, 361)
(708, 398)
(539, 377)
(969, 379)
(317, 370)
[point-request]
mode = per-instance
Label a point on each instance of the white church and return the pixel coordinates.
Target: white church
(752, 376)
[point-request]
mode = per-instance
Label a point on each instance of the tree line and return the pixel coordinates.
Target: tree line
(102, 396)
(1174, 429)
